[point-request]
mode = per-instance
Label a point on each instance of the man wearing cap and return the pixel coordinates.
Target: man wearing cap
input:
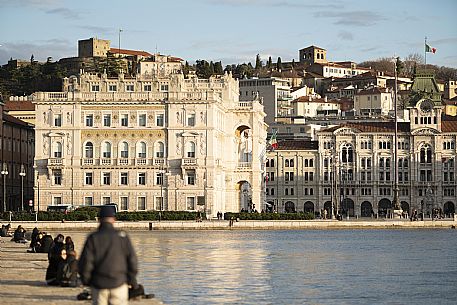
(108, 262)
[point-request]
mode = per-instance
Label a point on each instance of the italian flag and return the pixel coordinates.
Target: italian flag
(429, 49)
(273, 143)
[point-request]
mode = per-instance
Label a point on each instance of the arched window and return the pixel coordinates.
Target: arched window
(159, 150)
(106, 150)
(124, 150)
(426, 154)
(141, 150)
(347, 153)
(190, 150)
(57, 149)
(89, 150)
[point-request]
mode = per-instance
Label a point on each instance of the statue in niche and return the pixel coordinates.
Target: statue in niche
(45, 119)
(45, 145)
(178, 146)
(245, 146)
(178, 119)
(68, 117)
(202, 117)
(69, 146)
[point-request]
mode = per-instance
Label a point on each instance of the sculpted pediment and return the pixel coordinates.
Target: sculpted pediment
(190, 134)
(56, 134)
(345, 131)
(425, 131)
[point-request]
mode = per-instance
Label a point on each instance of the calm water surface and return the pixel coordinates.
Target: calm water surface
(300, 267)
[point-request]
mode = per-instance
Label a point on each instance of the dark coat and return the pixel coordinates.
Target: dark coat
(62, 279)
(46, 244)
(54, 261)
(108, 259)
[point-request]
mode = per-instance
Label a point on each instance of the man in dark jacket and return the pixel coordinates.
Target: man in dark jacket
(108, 263)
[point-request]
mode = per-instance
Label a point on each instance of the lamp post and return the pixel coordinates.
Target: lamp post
(4, 172)
(22, 174)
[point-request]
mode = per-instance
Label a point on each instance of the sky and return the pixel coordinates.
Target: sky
(232, 31)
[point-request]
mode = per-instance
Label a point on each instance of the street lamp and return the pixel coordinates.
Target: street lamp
(4, 172)
(22, 174)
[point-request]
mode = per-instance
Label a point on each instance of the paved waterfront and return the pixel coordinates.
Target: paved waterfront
(244, 224)
(22, 278)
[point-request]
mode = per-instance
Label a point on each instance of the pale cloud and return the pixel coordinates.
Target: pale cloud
(64, 12)
(29, 3)
(41, 50)
(310, 5)
(345, 35)
(352, 18)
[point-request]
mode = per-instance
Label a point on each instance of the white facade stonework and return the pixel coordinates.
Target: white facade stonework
(135, 141)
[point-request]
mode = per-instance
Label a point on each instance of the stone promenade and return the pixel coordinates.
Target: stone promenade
(22, 279)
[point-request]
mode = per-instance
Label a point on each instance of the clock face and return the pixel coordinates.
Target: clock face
(426, 106)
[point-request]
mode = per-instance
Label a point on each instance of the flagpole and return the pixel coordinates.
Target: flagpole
(425, 52)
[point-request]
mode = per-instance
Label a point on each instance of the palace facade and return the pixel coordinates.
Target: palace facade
(351, 167)
(149, 143)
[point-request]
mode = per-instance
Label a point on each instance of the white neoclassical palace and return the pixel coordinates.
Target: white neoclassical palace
(351, 167)
(149, 143)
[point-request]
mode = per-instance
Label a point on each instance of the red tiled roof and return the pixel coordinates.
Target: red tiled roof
(449, 124)
(297, 145)
(305, 99)
(373, 126)
(19, 106)
(129, 52)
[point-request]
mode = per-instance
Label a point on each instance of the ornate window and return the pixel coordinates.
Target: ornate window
(89, 150)
(141, 150)
(57, 150)
(124, 150)
(106, 150)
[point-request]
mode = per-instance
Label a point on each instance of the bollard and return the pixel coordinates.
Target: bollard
(11, 213)
(150, 226)
(36, 216)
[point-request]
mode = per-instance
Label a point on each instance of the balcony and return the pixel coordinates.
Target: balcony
(88, 161)
(105, 161)
(141, 161)
(123, 161)
(189, 161)
(55, 161)
(158, 161)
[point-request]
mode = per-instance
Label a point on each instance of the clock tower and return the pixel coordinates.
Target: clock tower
(425, 107)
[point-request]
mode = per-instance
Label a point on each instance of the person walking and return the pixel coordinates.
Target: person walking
(108, 263)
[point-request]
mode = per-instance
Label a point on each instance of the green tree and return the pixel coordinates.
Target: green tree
(258, 62)
(218, 68)
(269, 63)
(279, 64)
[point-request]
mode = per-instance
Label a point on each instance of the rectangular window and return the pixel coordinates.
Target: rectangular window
(141, 178)
(124, 178)
(57, 200)
(112, 88)
(95, 88)
(57, 173)
(89, 179)
(163, 87)
(142, 120)
(89, 120)
(159, 119)
(190, 177)
(142, 203)
(159, 179)
(106, 200)
(124, 203)
(190, 203)
(57, 120)
(124, 120)
(107, 120)
(129, 88)
(106, 179)
(88, 201)
(191, 119)
(147, 88)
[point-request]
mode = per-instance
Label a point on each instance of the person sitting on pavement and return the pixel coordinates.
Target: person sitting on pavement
(46, 243)
(69, 245)
(19, 235)
(54, 258)
(67, 271)
(37, 244)
(4, 232)
(33, 237)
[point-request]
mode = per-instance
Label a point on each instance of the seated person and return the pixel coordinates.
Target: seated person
(4, 231)
(19, 235)
(67, 271)
(45, 243)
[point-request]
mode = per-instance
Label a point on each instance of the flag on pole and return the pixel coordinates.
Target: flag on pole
(273, 143)
(429, 49)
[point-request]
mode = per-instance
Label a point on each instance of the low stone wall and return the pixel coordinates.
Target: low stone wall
(241, 225)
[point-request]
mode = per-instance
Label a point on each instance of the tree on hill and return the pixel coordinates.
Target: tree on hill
(258, 62)
(279, 64)
(218, 67)
(269, 63)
